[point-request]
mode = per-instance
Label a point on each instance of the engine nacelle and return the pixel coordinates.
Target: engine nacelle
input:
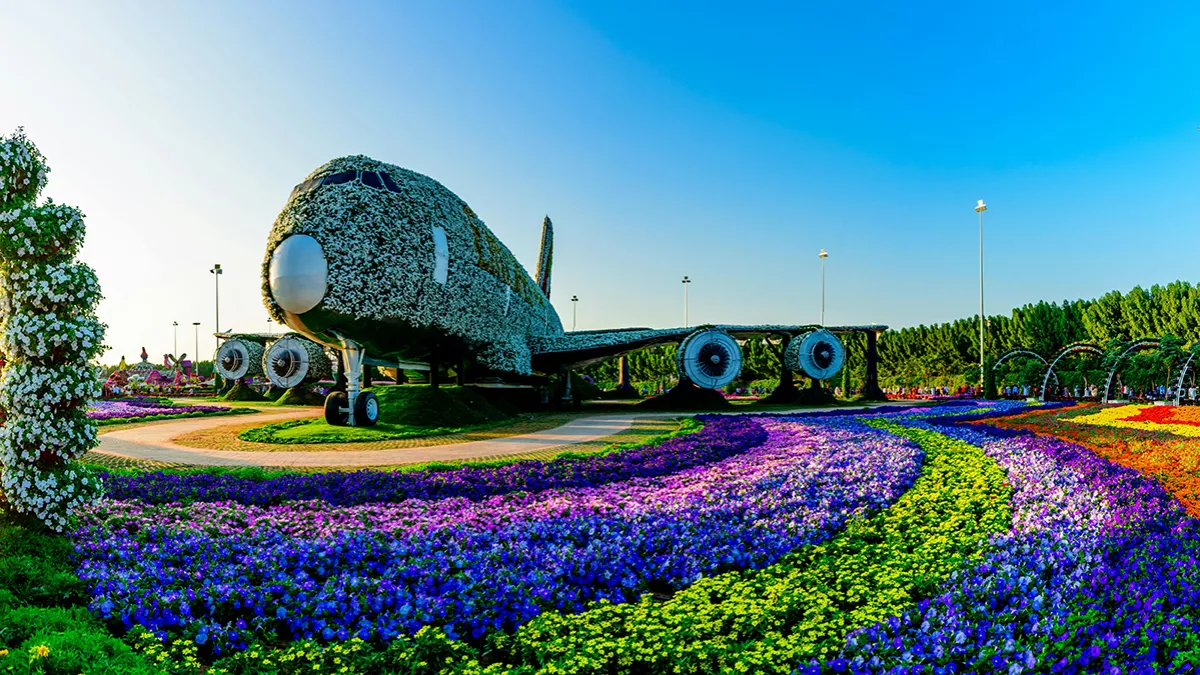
(293, 360)
(819, 355)
(238, 357)
(710, 358)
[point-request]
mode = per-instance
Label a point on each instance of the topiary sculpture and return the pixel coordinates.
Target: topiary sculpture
(48, 334)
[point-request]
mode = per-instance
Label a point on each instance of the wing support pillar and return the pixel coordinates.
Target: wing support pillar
(871, 390)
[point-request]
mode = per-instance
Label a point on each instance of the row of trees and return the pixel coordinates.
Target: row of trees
(947, 354)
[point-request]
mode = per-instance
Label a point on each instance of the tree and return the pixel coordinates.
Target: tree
(49, 334)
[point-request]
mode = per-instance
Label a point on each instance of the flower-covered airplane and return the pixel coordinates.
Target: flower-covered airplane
(390, 268)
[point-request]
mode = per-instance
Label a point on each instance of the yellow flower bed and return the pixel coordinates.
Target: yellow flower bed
(1181, 421)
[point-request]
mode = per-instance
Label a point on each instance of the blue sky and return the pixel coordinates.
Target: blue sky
(728, 142)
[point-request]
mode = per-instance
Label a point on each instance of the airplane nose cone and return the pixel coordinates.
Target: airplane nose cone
(298, 274)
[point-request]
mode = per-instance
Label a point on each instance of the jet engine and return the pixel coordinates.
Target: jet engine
(818, 354)
(293, 360)
(239, 357)
(710, 358)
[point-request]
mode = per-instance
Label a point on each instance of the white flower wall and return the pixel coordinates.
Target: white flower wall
(48, 334)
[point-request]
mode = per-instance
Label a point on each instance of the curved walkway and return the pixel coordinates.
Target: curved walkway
(155, 443)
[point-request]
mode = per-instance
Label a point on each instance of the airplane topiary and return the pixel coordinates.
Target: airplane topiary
(390, 268)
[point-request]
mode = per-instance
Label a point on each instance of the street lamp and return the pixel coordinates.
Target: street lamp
(216, 272)
(980, 208)
(574, 310)
(196, 358)
(822, 255)
(686, 282)
(175, 353)
(268, 325)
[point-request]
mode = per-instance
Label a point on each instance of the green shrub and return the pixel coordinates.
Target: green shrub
(36, 569)
(74, 652)
(23, 623)
(300, 396)
(242, 392)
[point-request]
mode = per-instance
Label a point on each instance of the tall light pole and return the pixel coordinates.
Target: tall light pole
(175, 325)
(980, 208)
(574, 310)
(196, 358)
(216, 272)
(686, 282)
(822, 255)
(269, 325)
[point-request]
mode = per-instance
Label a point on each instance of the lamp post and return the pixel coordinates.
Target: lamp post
(822, 255)
(175, 353)
(980, 208)
(574, 310)
(196, 358)
(216, 272)
(686, 282)
(269, 325)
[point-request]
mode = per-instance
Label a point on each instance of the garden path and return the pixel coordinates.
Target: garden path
(154, 442)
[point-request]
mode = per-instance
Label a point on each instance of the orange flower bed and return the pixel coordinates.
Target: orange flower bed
(1171, 459)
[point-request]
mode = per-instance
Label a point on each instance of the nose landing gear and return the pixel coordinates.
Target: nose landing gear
(353, 407)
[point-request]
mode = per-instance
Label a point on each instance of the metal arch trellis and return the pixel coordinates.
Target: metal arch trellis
(1138, 345)
(1020, 351)
(1065, 351)
(1183, 372)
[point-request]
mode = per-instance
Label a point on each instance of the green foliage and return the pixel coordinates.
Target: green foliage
(300, 432)
(947, 354)
(242, 392)
(300, 396)
(422, 406)
(44, 626)
(36, 569)
(405, 411)
(75, 651)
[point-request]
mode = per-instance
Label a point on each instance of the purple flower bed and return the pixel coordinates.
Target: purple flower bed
(721, 437)
(225, 574)
(129, 409)
(1099, 574)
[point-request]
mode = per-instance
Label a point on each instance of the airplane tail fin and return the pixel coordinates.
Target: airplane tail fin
(545, 257)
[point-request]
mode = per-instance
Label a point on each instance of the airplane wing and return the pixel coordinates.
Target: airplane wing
(580, 348)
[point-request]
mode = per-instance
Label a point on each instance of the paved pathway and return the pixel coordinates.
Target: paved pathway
(154, 442)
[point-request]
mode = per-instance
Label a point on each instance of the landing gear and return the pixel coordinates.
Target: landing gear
(355, 407)
(366, 409)
(336, 411)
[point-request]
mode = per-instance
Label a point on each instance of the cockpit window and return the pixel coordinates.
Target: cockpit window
(388, 182)
(339, 178)
(371, 179)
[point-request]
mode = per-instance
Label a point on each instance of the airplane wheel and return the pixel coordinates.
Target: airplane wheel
(366, 409)
(335, 409)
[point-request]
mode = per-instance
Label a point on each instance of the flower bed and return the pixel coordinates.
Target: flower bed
(1157, 452)
(149, 409)
(1182, 421)
(721, 438)
(935, 539)
(381, 571)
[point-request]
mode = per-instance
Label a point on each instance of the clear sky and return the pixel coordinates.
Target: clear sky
(726, 141)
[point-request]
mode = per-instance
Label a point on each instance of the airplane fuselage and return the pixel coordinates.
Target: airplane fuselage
(391, 260)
